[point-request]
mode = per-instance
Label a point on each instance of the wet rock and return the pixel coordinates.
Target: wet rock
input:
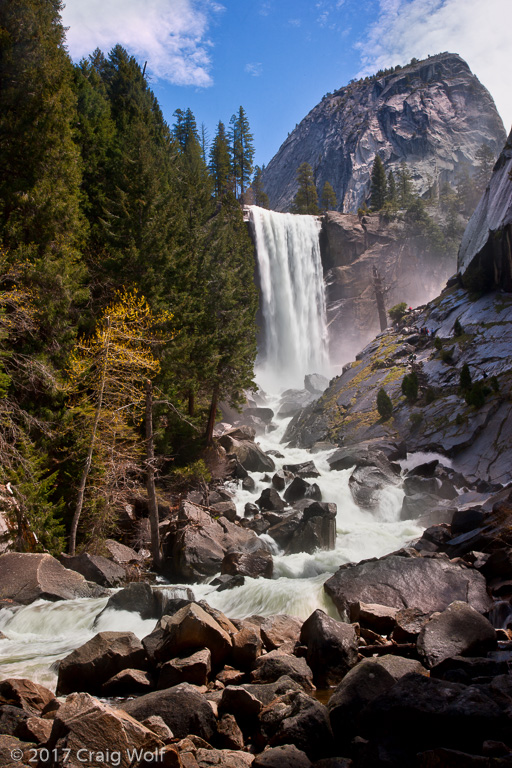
(193, 668)
(465, 520)
(157, 725)
(414, 484)
(306, 469)
(358, 688)
(243, 705)
(229, 735)
(251, 509)
(458, 630)
(280, 629)
(95, 662)
(267, 692)
(283, 528)
(434, 538)
(258, 523)
(429, 584)
(11, 720)
(315, 383)
(137, 597)
(296, 490)
(129, 682)
(273, 665)
(316, 530)
(248, 484)
(331, 647)
(95, 568)
(298, 719)
(252, 564)
(379, 618)
(280, 479)
(182, 708)
(249, 455)
(225, 509)
(225, 581)
(84, 723)
(191, 627)
(270, 500)
(28, 696)
(499, 564)
(418, 505)
(10, 744)
(368, 479)
(230, 676)
(465, 669)
(398, 666)
(287, 756)
(25, 577)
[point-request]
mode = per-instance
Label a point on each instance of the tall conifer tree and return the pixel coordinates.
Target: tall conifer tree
(220, 161)
(306, 199)
(378, 185)
(242, 150)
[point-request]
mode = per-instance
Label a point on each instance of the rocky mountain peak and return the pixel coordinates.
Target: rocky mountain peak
(433, 115)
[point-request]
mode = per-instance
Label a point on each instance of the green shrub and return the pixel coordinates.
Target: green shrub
(410, 386)
(447, 356)
(458, 330)
(398, 311)
(465, 378)
(430, 395)
(384, 404)
(191, 475)
(476, 395)
(415, 419)
(438, 344)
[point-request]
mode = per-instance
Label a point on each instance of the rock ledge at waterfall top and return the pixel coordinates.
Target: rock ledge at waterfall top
(433, 113)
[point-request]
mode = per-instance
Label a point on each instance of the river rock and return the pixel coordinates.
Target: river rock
(25, 577)
(92, 664)
(270, 500)
(191, 627)
(465, 520)
(398, 666)
(225, 509)
(248, 454)
(407, 582)
(229, 735)
(306, 469)
(280, 479)
(296, 490)
(35, 729)
(247, 647)
(128, 682)
(28, 696)
(193, 668)
(196, 548)
(459, 630)
(12, 720)
(286, 756)
(316, 530)
(408, 624)
(298, 719)
(348, 457)
(315, 383)
(9, 744)
(360, 685)
(331, 647)
(137, 597)
(273, 665)
(252, 564)
(379, 618)
(182, 708)
(367, 481)
(466, 669)
(282, 527)
(121, 554)
(84, 723)
(280, 629)
(95, 568)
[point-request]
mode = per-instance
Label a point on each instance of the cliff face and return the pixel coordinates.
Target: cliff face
(434, 115)
(352, 248)
(485, 256)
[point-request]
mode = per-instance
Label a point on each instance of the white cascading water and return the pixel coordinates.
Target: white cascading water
(294, 335)
(295, 343)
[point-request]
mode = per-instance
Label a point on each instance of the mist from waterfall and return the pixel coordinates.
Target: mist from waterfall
(294, 338)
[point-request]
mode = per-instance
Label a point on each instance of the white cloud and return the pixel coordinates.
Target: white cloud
(476, 30)
(255, 68)
(171, 35)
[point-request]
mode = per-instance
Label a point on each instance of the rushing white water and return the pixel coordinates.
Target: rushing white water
(294, 335)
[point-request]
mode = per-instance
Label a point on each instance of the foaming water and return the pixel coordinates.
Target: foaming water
(294, 338)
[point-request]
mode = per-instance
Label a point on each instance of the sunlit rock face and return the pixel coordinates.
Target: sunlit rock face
(485, 256)
(434, 115)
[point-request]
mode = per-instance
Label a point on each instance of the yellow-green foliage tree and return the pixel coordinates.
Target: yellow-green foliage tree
(108, 374)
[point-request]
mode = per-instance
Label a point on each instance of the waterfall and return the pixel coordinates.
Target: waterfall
(294, 333)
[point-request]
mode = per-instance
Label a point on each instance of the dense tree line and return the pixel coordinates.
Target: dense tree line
(125, 269)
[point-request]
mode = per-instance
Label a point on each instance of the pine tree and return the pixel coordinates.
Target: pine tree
(220, 161)
(328, 199)
(384, 404)
(306, 199)
(378, 185)
(485, 159)
(391, 193)
(404, 185)
(260, 196)
(242, 150)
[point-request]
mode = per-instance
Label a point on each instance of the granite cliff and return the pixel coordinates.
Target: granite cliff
(433, 114)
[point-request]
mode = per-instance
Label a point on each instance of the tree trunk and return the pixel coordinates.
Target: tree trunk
(150, 478)
(212, 415)
(88, 460)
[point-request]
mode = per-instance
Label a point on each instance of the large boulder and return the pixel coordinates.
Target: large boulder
(248, 454)
(24, 694)
(197, 546)
(253, 564)
(280, 629)
(369, 478)
(270, 667)
(457, 631)
(182, 708)
(83, 724)
(191, 627)
(270, 500)
(107, 653)
(25, 577)
(95, 568)
(316, 530)
(298, 719)
(287, 756)
(192, 668)
(429, 584)
(331, 647)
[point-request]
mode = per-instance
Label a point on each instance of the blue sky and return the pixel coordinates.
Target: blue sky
(277, 58)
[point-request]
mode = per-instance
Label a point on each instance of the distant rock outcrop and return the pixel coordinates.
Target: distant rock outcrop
(485, 256)
(432, 114)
